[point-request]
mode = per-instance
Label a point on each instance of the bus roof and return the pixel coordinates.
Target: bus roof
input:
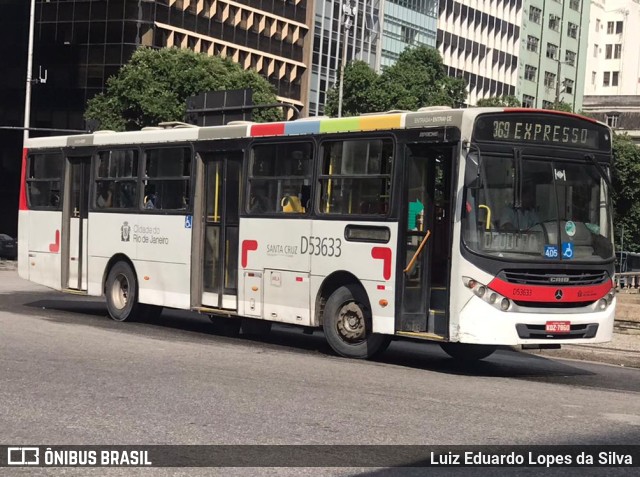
(423, 118)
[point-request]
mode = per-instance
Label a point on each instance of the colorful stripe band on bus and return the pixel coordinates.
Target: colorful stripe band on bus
(332, 125)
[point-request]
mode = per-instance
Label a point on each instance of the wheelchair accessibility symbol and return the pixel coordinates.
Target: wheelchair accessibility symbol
(567, 250)
(188, 221)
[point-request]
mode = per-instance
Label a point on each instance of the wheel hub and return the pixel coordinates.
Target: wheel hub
(351, 324)
(120, 291)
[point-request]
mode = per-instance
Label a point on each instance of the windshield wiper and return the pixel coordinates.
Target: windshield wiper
(600, 170)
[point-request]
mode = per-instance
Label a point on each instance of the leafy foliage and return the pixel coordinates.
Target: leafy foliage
(417, 79)
(500, 101)
(154, 85)
(626, 191)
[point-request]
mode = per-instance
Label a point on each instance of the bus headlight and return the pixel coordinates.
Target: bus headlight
(488, 295)
(602, 303)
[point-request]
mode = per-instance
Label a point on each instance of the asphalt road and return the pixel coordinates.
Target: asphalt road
(69, 375)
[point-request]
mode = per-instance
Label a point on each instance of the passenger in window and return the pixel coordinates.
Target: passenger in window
(259, 201)
(105, 197)
(150, 198)
(524, 217)
(127, 195)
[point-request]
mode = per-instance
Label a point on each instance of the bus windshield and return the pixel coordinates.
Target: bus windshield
(536, 208)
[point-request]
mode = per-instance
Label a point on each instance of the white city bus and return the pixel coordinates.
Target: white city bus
(474, 228)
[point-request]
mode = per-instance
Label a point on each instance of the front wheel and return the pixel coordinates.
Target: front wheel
(467, 352)
(122, 292)
(347, 324)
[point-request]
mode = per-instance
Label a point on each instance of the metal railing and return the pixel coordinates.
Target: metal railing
(627, 281)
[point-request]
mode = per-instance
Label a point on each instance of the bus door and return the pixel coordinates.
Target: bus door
(76, 212)
(222, 172)
(424, 274)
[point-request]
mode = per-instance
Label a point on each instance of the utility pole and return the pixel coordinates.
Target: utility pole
(27, 96)
(348, 13)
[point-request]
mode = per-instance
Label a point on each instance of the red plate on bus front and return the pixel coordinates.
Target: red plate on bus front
(557, 326)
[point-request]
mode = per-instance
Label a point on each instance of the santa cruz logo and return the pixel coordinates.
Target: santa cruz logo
(558, 294)
(125, 232)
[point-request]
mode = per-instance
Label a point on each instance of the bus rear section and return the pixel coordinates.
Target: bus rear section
(536, 260)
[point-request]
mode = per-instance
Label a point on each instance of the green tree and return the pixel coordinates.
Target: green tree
(417, 79)
(508, 101)
(154, 85)
(626, 191)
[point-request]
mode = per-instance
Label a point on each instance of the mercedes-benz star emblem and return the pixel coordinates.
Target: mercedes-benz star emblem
(558, 294)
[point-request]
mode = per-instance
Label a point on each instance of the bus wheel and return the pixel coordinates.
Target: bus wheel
(122, 292)
(347, 325)
(467, 352)
(251, 327)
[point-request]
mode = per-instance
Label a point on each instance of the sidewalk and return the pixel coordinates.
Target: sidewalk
(623, 350)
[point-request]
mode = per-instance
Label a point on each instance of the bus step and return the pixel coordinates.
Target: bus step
(74, 291)
(212, 311)
(421, 335)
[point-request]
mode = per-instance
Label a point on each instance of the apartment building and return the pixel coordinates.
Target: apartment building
(532, 49)
(613, 58)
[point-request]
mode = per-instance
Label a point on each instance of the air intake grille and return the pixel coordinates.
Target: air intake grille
(564, 278)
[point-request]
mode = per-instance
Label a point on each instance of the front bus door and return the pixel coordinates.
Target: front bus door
(77, 211)
(221, 222)
(426, 239)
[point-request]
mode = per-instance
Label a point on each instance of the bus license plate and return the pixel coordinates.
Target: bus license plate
(557, 326)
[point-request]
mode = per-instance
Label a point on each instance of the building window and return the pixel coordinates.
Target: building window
(575, 5)
(593, 78)
(606, 79)
(608, 52)
(549, 79)
(554, 22)
(612, 120)
(614, 78)
(280, 178)
(573, 30)
(617, 51)
(528, 101)
(547, 104)
(356, 177)
(568, 86)
(408, 34)
(535, 14)
(618, 27)
(597, 25)
(530, 72)
(595, 50)
(532, 43)
(570, 57)
(551, 50)
(610, 26)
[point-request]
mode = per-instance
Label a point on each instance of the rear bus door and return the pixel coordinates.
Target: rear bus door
(76, 216)
(222, 179)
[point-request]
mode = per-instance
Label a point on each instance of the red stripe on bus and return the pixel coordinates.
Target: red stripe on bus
(550, 294)
(23, 205)
(547, 111)
(273, 129)
(55, 246)
(384, 254)
(248, 246)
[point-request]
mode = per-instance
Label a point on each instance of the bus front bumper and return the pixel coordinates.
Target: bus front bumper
(481, 323)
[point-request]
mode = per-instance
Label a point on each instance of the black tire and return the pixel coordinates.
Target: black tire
(347, 324)
(225, 326)
(468, 352)
(251, 327)
(122, 293)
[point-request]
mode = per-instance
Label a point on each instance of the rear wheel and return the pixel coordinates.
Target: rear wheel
(468, 352)
(122, 292)
(347, 324)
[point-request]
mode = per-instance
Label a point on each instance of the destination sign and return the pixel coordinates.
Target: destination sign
(557, 130)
